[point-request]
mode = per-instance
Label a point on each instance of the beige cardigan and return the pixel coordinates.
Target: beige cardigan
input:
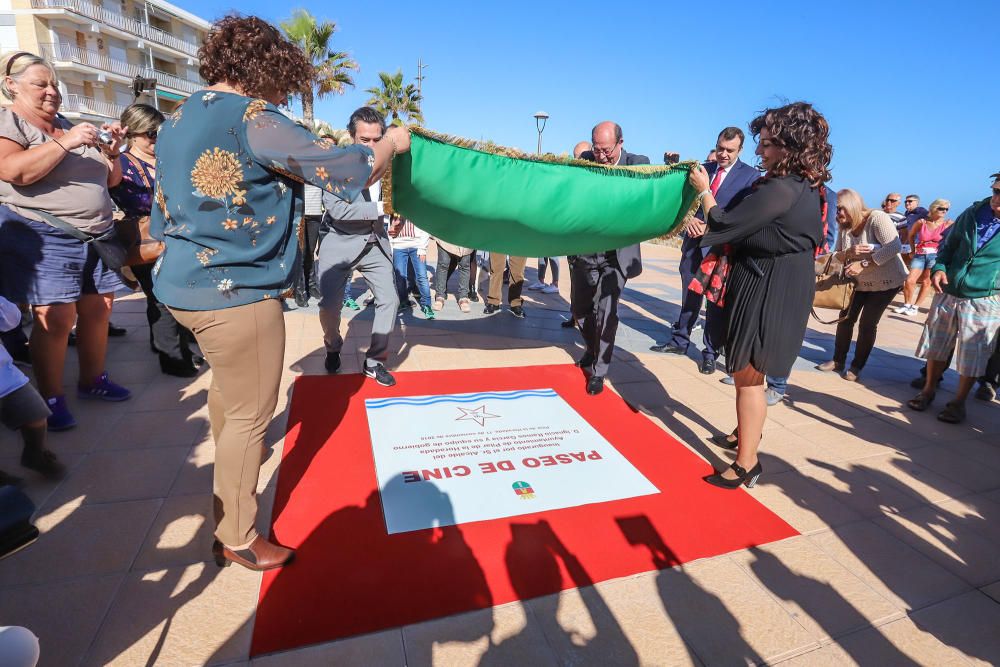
(886, 270)
(456, 250)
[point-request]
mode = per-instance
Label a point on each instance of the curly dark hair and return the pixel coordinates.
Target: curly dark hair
(804, 134)
(252, 54)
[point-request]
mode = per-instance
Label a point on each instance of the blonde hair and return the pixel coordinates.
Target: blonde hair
(14, 63)
(940, 202)
(141, 118)
(854, 209)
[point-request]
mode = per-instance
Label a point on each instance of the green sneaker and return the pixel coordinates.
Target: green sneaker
(428, 312)
(351, 303)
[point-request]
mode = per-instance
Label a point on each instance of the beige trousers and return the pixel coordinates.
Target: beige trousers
(245, 346)
(497, 264)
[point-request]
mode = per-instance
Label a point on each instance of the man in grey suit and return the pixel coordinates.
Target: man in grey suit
(597, 280)
(357, 239)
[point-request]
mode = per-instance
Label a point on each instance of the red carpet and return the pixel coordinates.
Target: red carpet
(350, 577)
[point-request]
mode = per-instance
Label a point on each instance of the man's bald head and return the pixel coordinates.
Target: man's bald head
(581, 148)
(607, 140)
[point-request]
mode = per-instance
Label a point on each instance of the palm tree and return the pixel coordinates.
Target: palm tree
(332, 67)
(393, 99)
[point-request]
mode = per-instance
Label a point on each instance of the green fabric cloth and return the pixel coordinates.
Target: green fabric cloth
(533, 208)
(972, 273)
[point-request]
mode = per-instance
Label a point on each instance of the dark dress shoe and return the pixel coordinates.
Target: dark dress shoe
(707, 366)
(116, 332)
(490, 309)
(332, 362)
(568, 324)
(177, 367)
(668, 348)
(723, 440)
(595, 385)
(259, 556)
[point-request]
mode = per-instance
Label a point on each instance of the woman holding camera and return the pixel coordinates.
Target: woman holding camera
(55, 176)
(134, 195)
(869, 246)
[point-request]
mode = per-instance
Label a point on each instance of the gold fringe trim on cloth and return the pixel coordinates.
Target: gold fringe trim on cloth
(491, 148)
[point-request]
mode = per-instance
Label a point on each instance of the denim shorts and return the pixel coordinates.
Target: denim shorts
(42, 265)
(923, 261)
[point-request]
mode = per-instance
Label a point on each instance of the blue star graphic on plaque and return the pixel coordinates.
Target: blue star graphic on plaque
(478, 415)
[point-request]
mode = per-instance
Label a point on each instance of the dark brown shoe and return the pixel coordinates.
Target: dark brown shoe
(259, 556)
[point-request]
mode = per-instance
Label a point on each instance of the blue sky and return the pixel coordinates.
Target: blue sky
(910, 88)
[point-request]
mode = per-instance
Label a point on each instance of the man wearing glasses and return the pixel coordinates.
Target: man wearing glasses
(596, 281)
(965, 314)
(891, 205)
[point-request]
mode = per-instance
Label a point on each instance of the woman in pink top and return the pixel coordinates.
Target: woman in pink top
(925, 237)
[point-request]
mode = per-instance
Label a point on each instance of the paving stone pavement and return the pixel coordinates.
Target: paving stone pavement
(898, 561)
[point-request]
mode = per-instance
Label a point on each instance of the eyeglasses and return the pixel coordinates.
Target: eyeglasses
(942, 209)
(151, 135)
(996, 192)
(911, 201)
(892, 201)
(605, 151)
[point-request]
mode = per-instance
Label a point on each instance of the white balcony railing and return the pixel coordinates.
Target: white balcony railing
(88, 105)
(70, 53)
(120, 21)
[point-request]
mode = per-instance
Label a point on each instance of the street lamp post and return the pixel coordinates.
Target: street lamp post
(540, 118)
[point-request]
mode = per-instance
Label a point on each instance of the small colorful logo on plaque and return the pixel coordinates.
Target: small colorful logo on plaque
(523, 490)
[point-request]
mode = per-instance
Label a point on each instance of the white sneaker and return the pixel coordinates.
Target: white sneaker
(550, 289)
(536, 285)
(911, 310)
(900, 310)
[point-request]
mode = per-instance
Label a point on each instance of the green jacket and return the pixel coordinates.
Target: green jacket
(972, 274)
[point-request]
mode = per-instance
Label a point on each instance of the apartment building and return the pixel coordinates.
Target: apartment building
(99, 47)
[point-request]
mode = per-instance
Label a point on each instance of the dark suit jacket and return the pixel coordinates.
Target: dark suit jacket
(629, 258)
(739, 178)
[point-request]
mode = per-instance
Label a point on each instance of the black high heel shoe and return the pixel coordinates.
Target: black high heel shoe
(722, 440)
(743, 476)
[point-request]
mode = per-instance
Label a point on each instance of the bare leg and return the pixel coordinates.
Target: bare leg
(935, 369)
(965, 385)
(49, 337)
(751, 411)
(910, 285)
(94, 312)
(925, 287)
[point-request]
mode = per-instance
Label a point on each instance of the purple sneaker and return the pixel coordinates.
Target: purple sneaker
(61, 418)
(104, 389)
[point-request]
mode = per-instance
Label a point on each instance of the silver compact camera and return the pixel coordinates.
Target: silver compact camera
(105, 137)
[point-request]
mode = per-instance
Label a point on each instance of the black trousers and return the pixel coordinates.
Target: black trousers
(166, 335)
(305, 282)
(868, 307)
(692, 255)
(596, 287)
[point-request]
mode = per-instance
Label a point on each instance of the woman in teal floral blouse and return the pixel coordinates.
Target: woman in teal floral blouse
(229, 204)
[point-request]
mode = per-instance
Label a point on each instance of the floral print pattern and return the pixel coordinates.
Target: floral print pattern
(229, 199)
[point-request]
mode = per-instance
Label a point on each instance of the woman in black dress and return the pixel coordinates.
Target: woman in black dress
(773, 234)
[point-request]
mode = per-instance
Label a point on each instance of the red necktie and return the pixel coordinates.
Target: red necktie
(714, 187)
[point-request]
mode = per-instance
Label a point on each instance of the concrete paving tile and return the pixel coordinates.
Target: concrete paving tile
(968, 624)
(105, 477)
(726, 617)
(64, 616)
(636, 605)
(380, 648)
(894, 570)
(868, 492)
(947, 461)
(899, 642)
(156, 429)
(820, 594)
(961, 535)
(581, 628)
(926, 485)
(830, 655)
(500, 636)
(993, 590)
(181, 534)
(80, 540)
(799, 500)
(195, 475)
(190, 615)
